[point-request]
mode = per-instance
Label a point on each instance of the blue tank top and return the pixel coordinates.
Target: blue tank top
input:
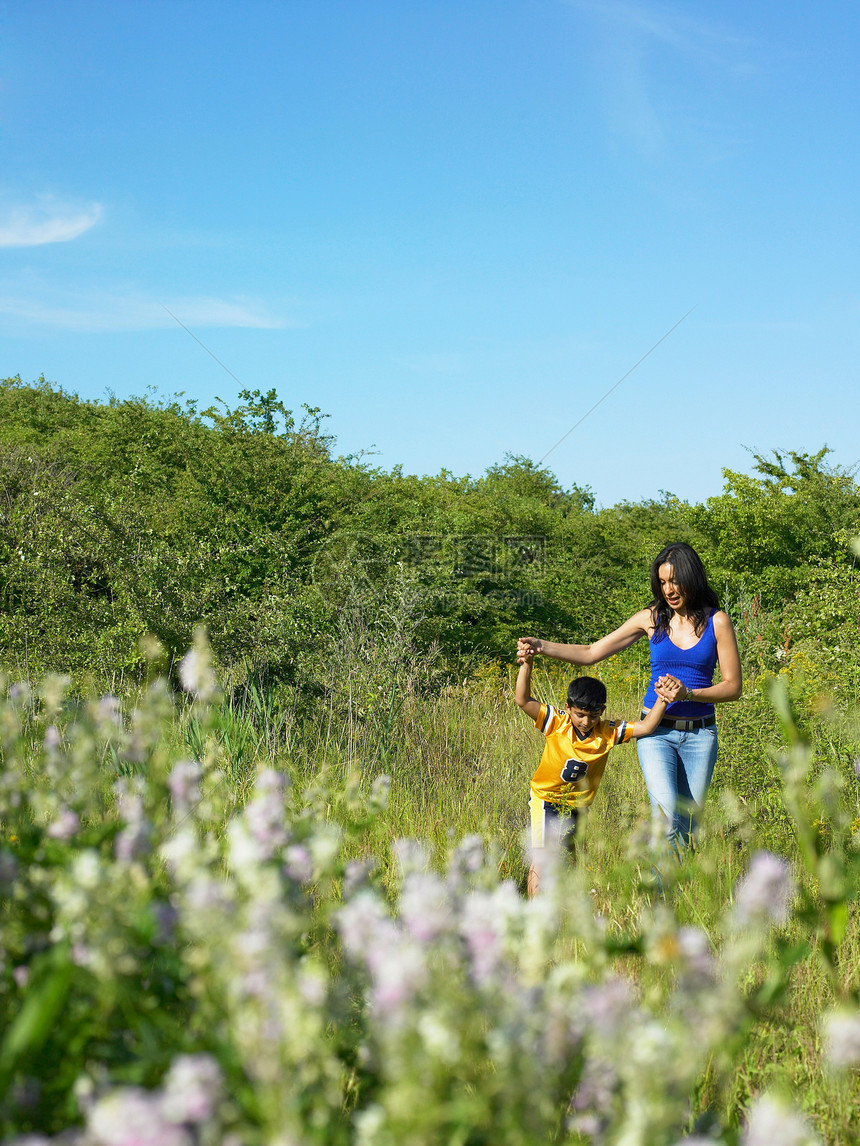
(693, 667)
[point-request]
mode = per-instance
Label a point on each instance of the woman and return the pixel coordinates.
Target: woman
(688, 635)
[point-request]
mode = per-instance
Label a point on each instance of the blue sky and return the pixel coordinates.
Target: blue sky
(451, 224)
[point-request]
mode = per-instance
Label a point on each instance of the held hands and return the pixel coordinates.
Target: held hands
(527, 649)
(671, 690)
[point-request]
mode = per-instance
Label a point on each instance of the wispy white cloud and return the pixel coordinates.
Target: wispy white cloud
(670, 25)
(119, 312)
(632, 34)
(45, 221)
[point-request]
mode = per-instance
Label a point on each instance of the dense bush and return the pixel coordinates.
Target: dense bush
(148, 516)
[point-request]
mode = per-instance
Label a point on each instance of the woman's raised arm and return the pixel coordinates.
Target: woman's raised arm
(622, 638)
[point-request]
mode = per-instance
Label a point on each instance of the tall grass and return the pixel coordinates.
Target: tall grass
(459, 756)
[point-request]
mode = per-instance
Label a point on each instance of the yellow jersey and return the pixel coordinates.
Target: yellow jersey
(571, 766)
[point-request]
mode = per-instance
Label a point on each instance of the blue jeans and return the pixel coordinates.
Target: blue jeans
(677, 767)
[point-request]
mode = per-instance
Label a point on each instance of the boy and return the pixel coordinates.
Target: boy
(577, 744)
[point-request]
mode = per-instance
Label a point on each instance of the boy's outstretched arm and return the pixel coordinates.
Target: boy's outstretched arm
(523, 691)
(650, 721)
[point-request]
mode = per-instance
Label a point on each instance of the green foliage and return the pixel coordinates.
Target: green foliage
(767, 529)
(150, 516)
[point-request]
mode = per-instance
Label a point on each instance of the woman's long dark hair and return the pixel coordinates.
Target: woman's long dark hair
(691, 578)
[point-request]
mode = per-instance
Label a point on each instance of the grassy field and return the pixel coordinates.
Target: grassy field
(101, 997)
(460, 763)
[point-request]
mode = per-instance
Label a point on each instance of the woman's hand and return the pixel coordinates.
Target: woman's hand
(527, 649)
(671, 689)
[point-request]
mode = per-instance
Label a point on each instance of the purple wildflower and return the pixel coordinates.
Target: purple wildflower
(765, 892)
(699, 963)
(484, 925)
(65, 826)
(608, 1007)
(356, 876)
(298, 864)
(21, 694)
(424, 906)
(379, 793)
(108, 714)
(183, 783)
(264, 813)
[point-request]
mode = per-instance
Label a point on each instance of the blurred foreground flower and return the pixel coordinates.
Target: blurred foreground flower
(765, 892)
(773, 1124)
(842, 1038)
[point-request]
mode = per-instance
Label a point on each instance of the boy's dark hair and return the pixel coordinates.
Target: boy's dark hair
(587, 693)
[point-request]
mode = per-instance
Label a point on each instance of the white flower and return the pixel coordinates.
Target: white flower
(362, 921)
(697, 1140)
(842, 1038)
(108, 714)
(133, 1117)
(370, 1126)
(699, 963)
(765, 892)
(379, 792)
(440, 1040)
(192, 1088)
(324, 846)
(86, 870)
(470, 854)
(181, 853)
(411, 856)
(773, 1124)
(195, 671)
